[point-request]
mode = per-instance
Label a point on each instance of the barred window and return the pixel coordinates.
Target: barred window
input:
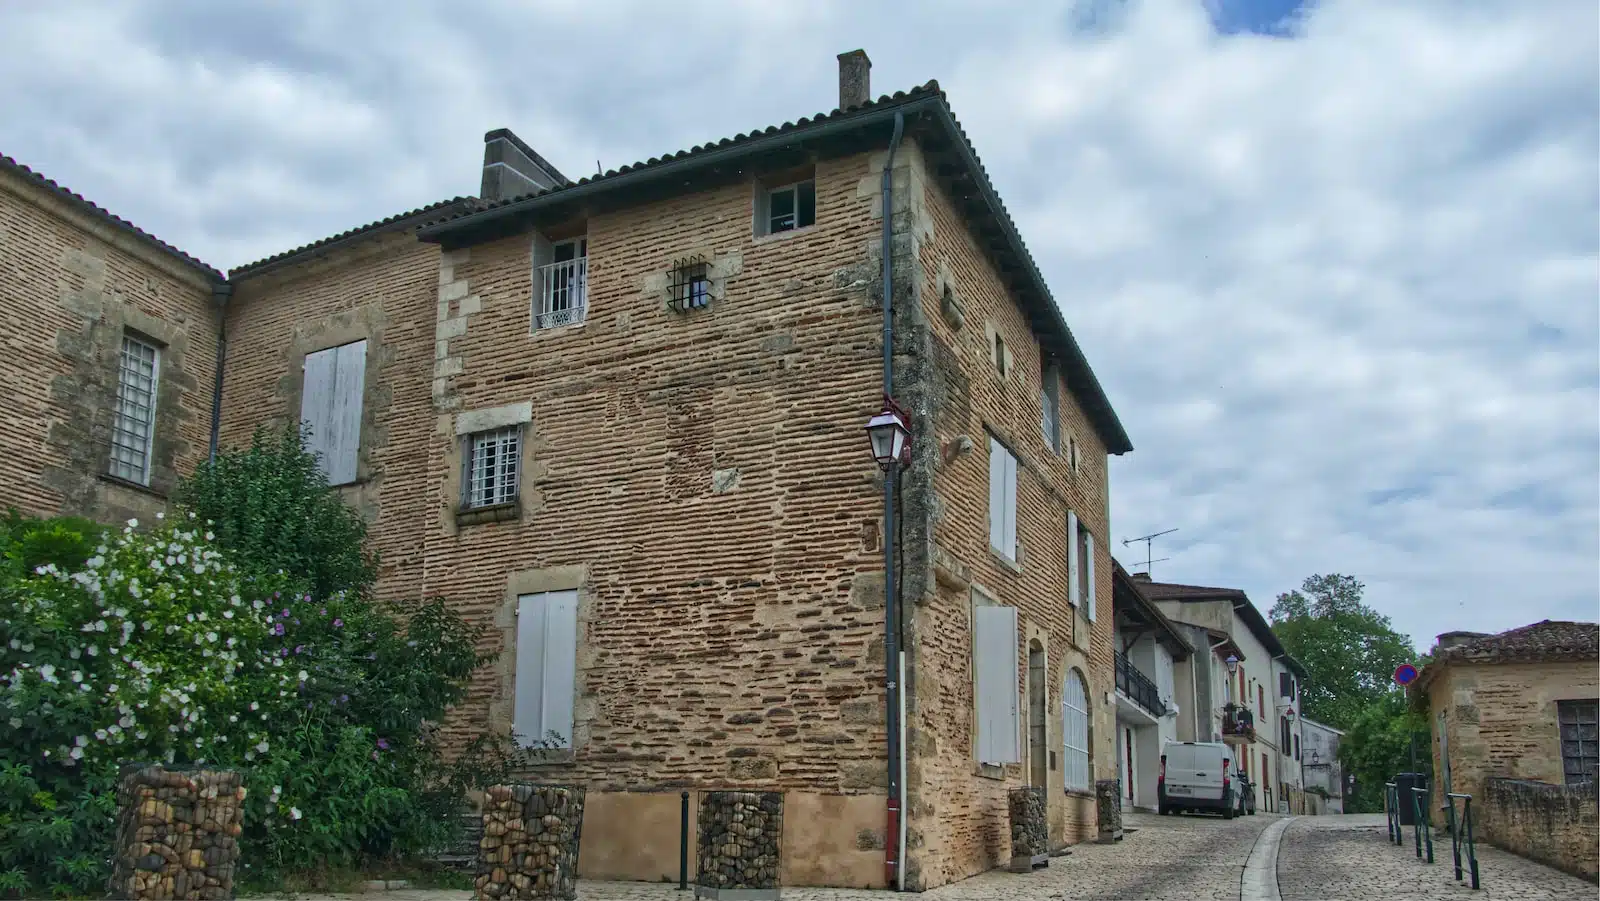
(492, 468)
(134, 422)
(691, 284)
(1580, 739)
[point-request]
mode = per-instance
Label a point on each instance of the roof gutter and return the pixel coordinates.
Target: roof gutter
(443, 232)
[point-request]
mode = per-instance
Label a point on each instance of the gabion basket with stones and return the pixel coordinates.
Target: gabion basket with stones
(1107, 795)
(1030, 834)
(740, 835)
(177, 833)
(530, 842)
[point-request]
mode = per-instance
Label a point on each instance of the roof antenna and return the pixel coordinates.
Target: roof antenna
(1147, 539)
(597, 169)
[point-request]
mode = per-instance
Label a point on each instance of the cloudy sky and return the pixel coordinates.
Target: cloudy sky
(1337, 266)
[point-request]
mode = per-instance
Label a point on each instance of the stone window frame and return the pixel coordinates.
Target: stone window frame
(462, 428)
(504, 673)
(363, 323)
(171, 344)
(148, 452)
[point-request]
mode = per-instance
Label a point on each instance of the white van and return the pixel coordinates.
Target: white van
(1196, 775)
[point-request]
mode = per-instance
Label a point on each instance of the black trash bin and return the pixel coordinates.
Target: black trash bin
(1404, 783)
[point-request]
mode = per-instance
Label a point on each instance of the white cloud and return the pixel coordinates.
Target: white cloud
(1342, 287)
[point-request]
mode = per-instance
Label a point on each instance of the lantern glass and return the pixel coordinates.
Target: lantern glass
(889, 435)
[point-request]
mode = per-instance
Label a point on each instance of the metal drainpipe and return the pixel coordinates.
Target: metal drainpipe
(219, 294)
(893, 867)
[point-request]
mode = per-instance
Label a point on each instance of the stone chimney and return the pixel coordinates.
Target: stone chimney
(1448, 640)
(855, 79)
(511, 168)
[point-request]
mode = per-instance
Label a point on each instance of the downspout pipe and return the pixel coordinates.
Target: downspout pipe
(894, 835)
(219, 298)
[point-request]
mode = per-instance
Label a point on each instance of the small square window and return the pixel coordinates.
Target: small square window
(791, 206)
(493, 467)
(691, 284)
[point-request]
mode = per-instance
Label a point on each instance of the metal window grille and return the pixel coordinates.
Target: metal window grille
(1580, 739)
(493, 468)
(691, 284)
(792, 206)
(134, 420)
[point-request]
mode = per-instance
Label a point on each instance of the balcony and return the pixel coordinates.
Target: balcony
(1138, 687)
(1238, 724)
(563, 297)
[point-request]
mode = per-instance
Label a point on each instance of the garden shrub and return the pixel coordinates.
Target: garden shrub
(251, 642)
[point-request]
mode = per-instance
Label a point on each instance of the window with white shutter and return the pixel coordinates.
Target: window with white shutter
(546, 674)
(1088, 566)
(995, 660)
(1075, 732)
(1074, 586)
(330, 408)
(1002, 500)
(133, 424)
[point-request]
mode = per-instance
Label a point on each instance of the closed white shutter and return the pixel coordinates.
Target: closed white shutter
(995, 640)
(330, 406)
(546, 675)
(560, 664)
(1072, 558)
(1010, 546)
(344, 434)
(997, 495)
(316, 402)
(1088, 551)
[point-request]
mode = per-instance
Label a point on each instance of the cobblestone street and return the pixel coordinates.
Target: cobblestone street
(1184, 858)
(1348, 857)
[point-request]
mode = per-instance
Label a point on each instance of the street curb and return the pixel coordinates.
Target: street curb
(1259, 881)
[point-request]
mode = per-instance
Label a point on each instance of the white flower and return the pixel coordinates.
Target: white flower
(294, 813)
(15, 644)
(16, 722)
(113, 729)
(227, 614)
(233, 717)
(100, 625)
(100, 734)
(73, 653)
(211, 636)
(76, 753)
(111, 689)
(160, 515)
(255, 705)
(76, 676)
(81, 740)
(210, 536)
(249, 755)
(141, 734)
(48, 673)
(304, 675)
(94, 651)
(262, 747)
(190, 617)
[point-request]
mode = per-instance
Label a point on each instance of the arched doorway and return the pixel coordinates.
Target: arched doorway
(1037, 748)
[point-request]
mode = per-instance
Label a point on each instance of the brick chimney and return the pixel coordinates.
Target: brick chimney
(511, 168)
(855, 79)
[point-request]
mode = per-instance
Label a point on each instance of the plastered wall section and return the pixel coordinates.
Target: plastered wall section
(701, 479)
(1501, 719)
(384, 291)
(960, 819)
(70, 285)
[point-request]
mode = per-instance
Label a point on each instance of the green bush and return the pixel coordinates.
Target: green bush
(252, 641)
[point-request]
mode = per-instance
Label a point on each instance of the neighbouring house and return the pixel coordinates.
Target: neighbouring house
(1323, 773)
(620, 422)
(1516, 724)
(1251, 684)
(1148, 648)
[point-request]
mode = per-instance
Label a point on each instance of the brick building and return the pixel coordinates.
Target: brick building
(1521, 707)
(620, 421)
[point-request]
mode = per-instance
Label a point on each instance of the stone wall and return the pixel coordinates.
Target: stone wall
(1557, 825)
(177, 834)
(529, 848)
(73, 284)
(1030, 834)
(740, 837)
(958, 809)
(1107, 791)
(1500, 720)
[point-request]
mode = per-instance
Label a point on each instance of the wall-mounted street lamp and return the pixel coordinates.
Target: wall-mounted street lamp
(1233, 664)
(890, 434)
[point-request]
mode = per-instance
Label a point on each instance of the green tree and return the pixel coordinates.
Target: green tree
(1378, 744)
(1349, 650)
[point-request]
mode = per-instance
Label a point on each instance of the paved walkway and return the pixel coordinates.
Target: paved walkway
(1333, 857)
(1184, 858)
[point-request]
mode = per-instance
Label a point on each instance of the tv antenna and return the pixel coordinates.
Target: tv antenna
(1147, 539)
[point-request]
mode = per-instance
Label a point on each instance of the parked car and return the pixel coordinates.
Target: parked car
(1196, 775)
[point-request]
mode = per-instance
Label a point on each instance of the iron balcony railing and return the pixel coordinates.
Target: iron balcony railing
(563, 293)
(1238, 721)
(1136, 685)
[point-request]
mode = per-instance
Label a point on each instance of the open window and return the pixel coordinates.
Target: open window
(787, 203)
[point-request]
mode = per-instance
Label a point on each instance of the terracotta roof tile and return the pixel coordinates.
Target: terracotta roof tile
(101, 213)
(1544, 640)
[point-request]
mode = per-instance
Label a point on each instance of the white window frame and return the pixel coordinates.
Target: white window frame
(1075, 733)
(545, 676)
(124, 412)
(1002, 500)
(793, 188)
(475, 444)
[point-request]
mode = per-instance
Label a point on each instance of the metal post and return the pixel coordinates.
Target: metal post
(683, 842)
(1416, 822)
(1388, 811)
(1472, 846)
(1455, 836)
